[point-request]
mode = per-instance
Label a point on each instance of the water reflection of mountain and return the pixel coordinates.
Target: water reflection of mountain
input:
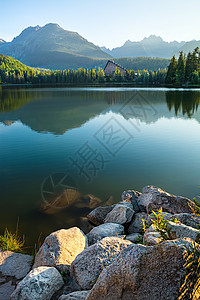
(50, 110)
(57, 110)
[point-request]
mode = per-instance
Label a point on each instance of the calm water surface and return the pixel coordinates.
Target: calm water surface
(99, 141)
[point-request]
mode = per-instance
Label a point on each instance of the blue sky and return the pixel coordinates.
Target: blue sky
(105, 22)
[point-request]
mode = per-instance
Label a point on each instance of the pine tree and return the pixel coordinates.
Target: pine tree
(171, 72)
(180, 70)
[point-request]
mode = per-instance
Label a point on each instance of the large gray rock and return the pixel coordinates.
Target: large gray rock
(136, 224)
(14, 264)
(188, 219)
(185, 218)
(144, 273)
(152, 237)
(191, 220)
(6, 290)
(87, 266)
(40, 284)
(122, 213)
(60, 248)
(104, 230)
(132, 196)
(98, 215)
(181, 231)
(134, 237)
(153, 198)
(13, 267)
(79, 295)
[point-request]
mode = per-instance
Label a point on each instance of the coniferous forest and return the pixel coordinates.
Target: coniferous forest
(185, 70)
(182, 71)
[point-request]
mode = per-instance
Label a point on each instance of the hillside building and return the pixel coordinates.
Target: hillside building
(111, 67)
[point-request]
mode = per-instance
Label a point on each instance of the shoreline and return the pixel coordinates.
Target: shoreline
(143, 242)
(103, 85)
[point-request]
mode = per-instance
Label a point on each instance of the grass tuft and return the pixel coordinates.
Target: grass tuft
(12, 241)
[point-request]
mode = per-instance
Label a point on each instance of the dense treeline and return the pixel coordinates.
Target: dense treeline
(181, 71)
(12, 71)
(185, 70)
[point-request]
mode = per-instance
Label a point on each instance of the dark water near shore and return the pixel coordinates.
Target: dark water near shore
(100, 141)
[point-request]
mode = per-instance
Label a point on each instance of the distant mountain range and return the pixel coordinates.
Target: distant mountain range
(153, 46)
(2, 41)
(52, 47)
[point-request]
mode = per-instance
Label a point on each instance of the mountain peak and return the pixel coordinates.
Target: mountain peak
(2, 41)
(51, 46)
(52, 25)
(26, 32)
(128, 43)
(152, 39)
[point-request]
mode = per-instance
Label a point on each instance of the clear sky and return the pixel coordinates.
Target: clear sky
(105, 22)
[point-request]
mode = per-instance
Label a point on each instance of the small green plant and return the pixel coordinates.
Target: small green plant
(190, 289)
(139, 240)
(11, 241)
(160, 224)
(65, 275)
(175, 220)
(145, 225)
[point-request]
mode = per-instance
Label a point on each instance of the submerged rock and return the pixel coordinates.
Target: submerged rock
(58, 202)
(89, 201)
(87, 266)
(104, 230)
(40, 284)
(60, 248)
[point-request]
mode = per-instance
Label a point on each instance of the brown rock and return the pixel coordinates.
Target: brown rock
(153, 198)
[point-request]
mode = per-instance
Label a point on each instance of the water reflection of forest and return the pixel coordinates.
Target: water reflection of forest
(12, 99)
(184, 102)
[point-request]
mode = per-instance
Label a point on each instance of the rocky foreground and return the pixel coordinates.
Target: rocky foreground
(116, 259)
